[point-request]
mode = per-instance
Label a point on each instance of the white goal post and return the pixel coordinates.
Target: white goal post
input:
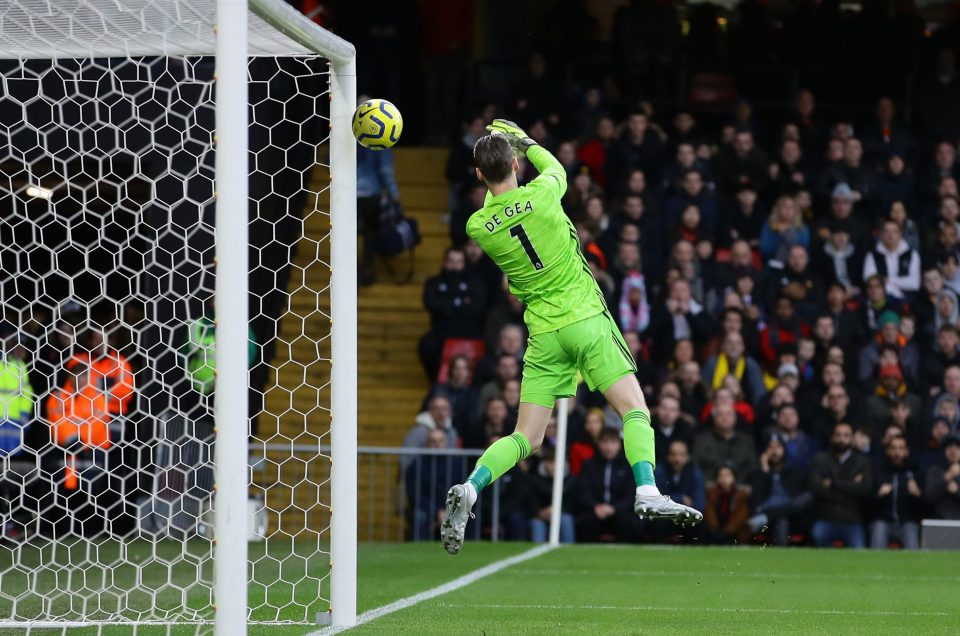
(126, 82)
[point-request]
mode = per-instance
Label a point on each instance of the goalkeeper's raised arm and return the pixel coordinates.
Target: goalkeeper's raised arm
(550, 169)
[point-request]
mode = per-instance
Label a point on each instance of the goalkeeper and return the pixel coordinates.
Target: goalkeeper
(525, 231)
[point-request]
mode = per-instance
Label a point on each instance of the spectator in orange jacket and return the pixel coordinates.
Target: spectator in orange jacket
(109, 370)
(78, 412)
(98, 388)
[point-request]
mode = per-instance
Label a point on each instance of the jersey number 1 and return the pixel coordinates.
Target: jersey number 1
(520, 234)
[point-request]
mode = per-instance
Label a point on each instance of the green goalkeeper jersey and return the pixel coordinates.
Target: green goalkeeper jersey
(527, 234)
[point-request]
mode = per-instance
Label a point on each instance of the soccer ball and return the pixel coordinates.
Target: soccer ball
(377, 124)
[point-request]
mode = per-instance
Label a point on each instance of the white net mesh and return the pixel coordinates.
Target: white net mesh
(106, 373)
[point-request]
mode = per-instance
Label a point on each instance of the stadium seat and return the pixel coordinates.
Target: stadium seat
(471, 348)
(722, 255)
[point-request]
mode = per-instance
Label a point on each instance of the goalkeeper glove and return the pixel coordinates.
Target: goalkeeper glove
(514, 134)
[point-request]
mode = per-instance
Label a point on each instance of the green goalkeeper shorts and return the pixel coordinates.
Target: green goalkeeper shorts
(594, 346)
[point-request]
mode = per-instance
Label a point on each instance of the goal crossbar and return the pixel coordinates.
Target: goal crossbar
(76, 29)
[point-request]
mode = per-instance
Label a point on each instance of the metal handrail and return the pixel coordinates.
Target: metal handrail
(260, 451)
(370, 450)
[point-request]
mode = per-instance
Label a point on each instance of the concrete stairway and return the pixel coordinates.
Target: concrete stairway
(391, 383)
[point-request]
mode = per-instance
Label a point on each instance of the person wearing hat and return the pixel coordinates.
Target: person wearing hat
(839, 260)
(788, 374)
(942, 491)
(947, 406)
(900, 350)
(842, 200)
(894, 262)
(891, 389)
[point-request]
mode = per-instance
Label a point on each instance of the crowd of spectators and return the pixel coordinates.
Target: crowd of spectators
(75, 437)
(791, 302)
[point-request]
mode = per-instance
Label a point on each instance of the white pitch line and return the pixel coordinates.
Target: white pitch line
(724, 610)
(440, 590)
(748, 575)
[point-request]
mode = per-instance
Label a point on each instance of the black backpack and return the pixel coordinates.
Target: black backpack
(398, 233)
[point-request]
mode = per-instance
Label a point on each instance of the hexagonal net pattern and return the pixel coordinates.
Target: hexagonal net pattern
(108, 334)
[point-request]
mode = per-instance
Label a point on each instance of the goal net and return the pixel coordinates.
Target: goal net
(121, 244)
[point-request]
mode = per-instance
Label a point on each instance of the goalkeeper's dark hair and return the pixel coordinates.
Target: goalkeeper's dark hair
(493, 156)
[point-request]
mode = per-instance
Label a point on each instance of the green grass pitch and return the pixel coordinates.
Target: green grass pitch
(651, 590)
(691, 590)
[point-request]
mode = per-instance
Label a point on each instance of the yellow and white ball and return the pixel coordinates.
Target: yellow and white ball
(377, 124)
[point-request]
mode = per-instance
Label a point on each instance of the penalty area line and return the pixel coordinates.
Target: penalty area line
(440, 590)
(721, 610)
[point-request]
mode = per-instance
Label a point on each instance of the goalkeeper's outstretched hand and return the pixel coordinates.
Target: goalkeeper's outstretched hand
(514, 134)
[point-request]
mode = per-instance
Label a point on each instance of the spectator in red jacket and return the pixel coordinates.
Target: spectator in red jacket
(596, 153)
(726, 395)
(785, 328)
(586, 447)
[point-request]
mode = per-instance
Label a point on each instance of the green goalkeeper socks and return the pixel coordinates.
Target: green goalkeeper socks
(638, 445)
(503, 454)
(507, 451)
